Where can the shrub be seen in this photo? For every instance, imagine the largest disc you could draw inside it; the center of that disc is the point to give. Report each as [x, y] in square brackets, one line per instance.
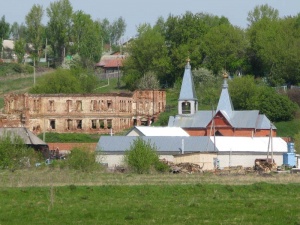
[14, 154]
[82, 159]
[142, 156]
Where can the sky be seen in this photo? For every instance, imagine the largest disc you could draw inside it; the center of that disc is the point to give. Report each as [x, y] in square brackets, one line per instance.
[136, 12]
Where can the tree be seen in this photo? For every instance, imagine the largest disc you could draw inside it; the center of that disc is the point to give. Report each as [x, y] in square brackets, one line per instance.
[246, 94]
[4, 29]
[20, 51]
[18, 31]
[14, 154]
[142, 156]
[147, 52]
[260, 12]
[86, 37]
[67, 81]
[59, 25]
[112, 32]
[35, 28]
[148, 81]
[225, 48]
[4, 32]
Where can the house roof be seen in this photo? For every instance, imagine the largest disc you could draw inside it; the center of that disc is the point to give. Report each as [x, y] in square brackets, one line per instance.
[192, 144]
[187, 91]
[157, 131]
[238, 119]
[8, 44]
[111, 61]
[171, 145]
[28, 137]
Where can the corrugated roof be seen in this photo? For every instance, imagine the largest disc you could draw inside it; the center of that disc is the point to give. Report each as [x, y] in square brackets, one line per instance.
[187, 91]
[171, 145]
[200, 120]
[28, 137]
[159, 131]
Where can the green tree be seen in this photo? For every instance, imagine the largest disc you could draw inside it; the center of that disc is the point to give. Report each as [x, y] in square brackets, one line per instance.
[60, 81]
[260, 12]
[147, 52]
[35, 28]
[14, 154]
[59, 27]
[148, 81]
[20, 50]
[86, 37]
[246, 94]
[66, 81]
[4, 32]
[142, 156]
[82, 159]
[18, 31]
[225, 48]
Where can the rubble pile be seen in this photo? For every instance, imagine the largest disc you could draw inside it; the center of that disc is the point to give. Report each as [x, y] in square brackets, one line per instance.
[265, 166]
[183, 167]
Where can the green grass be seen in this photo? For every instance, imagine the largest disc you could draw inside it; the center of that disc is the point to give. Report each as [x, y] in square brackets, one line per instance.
[288, 128]
[257, 203]
[70, 137]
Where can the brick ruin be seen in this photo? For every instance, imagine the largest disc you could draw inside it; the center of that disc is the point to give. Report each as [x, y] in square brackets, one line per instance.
[82, 113]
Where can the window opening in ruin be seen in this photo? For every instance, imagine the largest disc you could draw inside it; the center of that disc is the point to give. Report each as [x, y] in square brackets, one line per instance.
[186, 107]
[109, 104]
[52, 124]
[51, 105]
[79, 124]
[35, 104]
[134, 122]
[78, 105]
[69, 124]
[109, 124]
[94, 105]
[94, 124]
[101, 122]
[69, 105]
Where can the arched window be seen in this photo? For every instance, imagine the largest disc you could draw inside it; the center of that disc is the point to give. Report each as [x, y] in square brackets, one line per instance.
[186, 107]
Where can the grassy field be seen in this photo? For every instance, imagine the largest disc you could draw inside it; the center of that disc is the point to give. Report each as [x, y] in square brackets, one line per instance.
[67, 197]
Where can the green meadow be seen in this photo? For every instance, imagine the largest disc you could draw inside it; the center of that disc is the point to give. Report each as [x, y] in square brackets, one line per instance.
[43, 196]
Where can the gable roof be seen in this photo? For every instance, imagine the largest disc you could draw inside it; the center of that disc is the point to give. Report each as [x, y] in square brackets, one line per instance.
[187, 91]
[157, 131]
[28, 137]
[111, 61]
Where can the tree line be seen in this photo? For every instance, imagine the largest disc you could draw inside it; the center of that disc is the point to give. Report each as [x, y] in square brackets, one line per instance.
[268, 48]
[66, 33]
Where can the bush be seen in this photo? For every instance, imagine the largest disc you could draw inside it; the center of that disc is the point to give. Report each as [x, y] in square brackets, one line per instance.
[14, 154]
[82, 159]
[142, 156]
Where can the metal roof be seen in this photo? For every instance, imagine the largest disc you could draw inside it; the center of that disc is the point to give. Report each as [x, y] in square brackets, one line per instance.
[250, 144]
[225, 102]
[157, 131]
[28, 137]
[187, 91]
[171, 145]
[192, 144]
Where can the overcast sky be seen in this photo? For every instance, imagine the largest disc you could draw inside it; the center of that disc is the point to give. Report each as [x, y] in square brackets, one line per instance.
[136, 12]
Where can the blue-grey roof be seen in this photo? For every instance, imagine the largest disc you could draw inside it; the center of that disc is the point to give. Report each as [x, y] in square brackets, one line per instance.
[187, 91]
[239, 119]
[225, 102]
[167, 145]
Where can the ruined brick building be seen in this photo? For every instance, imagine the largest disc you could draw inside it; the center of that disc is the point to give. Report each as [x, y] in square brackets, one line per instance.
[82, 113]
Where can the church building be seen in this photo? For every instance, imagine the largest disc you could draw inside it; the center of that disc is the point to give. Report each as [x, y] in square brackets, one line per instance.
[224, 121]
